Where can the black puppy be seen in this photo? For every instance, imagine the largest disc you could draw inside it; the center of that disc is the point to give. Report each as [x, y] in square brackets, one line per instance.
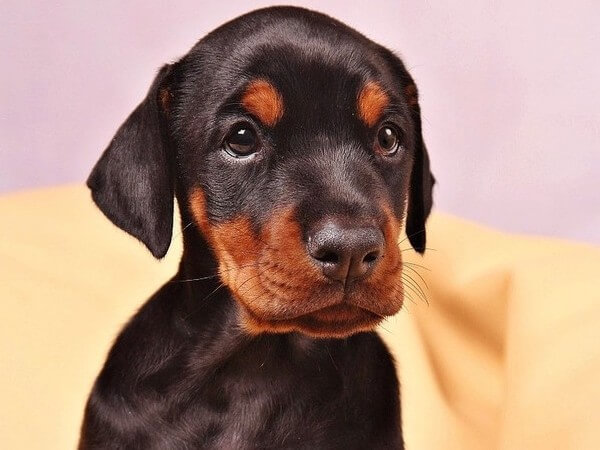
[293, 146]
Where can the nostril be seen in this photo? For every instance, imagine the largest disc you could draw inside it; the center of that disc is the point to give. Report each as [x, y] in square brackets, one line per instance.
[327, 257]
[371, 257]
[345, 254]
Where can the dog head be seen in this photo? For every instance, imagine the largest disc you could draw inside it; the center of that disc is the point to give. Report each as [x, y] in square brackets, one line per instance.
[294, 145]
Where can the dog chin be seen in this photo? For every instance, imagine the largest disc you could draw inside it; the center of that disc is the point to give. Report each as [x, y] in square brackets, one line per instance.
[337, 321]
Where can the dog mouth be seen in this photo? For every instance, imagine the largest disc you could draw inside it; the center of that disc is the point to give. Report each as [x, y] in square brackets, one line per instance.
[280, 293]
[282, 284]
[326, 310]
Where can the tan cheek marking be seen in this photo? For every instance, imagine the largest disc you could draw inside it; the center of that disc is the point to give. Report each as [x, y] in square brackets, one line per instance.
[372, 101]
[197, 203]
[263, 100]
[234, 242]
[237, 239]
[391, 233]
[284, 232]
[282, 284]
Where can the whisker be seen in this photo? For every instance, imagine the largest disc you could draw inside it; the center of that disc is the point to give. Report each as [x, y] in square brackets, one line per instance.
[411, 235]
[408, 263]
[202, 303]
[180, 232]
[332, 361]
[216, 275]
[406, 292]
[406, 308]
[419, 275]
[419, 296]
[266, 291]
[384, 328]
[258, 274]
[410, 248]
[406, 295]
[188, 280]
[409, 279]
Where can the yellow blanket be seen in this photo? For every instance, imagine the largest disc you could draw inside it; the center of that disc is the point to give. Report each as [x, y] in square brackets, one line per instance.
[498, 346]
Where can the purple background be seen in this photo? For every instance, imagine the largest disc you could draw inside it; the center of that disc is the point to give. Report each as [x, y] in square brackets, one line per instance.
[510, 93]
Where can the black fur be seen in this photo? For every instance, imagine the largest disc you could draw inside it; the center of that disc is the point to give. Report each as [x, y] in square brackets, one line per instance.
[132, 182]
[184, 373]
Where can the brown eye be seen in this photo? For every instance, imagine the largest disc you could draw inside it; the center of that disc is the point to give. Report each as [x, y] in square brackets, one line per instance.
[389, 140]
[241, 142]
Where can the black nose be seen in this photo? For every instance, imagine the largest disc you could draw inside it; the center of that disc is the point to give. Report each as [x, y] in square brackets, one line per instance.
[346, 254]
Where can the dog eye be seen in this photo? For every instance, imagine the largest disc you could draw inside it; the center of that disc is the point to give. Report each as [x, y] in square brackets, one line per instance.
[389, 140]
[241, 142]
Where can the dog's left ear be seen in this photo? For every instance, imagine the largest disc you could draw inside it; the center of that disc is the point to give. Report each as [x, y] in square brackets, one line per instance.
[421, 179]
[132, 183]
[420, 195]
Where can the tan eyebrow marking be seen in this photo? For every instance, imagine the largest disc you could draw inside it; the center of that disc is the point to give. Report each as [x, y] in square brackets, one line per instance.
[372, 100]
[411, 94]
[263, 100]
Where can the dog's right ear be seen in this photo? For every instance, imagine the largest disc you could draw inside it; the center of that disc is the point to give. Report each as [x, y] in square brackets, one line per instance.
[132, 183]
[420, 198]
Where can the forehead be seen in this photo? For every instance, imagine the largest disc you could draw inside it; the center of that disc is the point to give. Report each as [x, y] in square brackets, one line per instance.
[315, 71]
[312, 91]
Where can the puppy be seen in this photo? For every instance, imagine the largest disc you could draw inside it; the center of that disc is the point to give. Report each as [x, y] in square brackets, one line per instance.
[293, 146]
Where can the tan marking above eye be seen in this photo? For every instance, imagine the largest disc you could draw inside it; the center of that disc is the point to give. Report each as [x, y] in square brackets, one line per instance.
[372, 101]
[264, 101]
[411, 94]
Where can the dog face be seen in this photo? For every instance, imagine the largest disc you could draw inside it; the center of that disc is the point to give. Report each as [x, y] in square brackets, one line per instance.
[294, 145]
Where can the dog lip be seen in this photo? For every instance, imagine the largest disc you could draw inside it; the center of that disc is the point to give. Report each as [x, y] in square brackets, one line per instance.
[342, 306]
[342, 318]
[304, 301]
[338, 296]
[348, 312]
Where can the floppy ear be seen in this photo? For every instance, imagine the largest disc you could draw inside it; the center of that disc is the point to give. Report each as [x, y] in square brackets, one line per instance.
[421, 179]
[132, 183]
